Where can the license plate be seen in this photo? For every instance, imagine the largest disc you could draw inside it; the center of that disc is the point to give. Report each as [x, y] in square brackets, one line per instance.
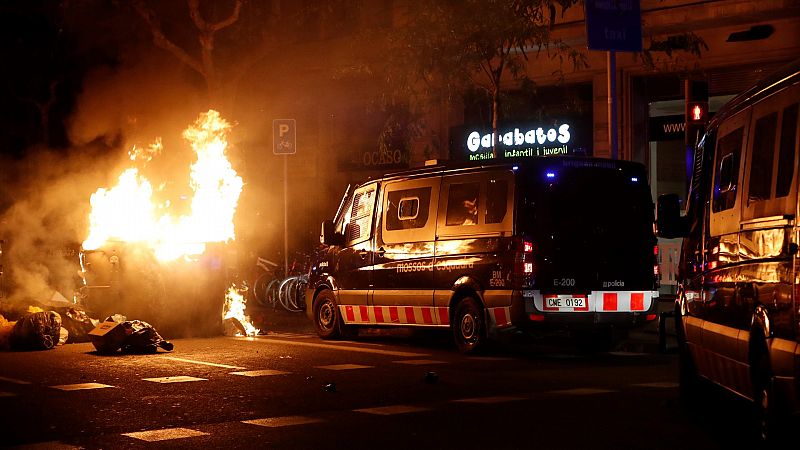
[565, 303]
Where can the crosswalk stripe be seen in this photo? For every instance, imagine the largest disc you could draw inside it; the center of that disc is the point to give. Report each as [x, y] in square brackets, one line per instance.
[344, 367]
[192, 361]
[664, 385]
[14, 380]
[51, 445]
[7, 394]
[582, 391]
[165, 434]
[419, 362]
[489, 400]
[285, 421]
[81, 386]
[260, 373]
[179, 379]
[392, 410]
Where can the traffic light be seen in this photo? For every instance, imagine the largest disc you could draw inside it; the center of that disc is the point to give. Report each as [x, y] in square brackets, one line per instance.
[696, 110]
[695, 120]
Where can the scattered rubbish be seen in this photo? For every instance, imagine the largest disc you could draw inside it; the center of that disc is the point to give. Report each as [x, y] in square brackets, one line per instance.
[309, 378]
[330, 387]
[78, 324]
[5, 333]
[36, 331]
[132, 336]
[431, 377]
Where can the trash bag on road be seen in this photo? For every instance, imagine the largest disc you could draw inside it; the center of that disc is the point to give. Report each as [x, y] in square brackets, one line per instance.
[132, 336]
[6, 328]
[36, 331]
[78, 324]
[143, 338]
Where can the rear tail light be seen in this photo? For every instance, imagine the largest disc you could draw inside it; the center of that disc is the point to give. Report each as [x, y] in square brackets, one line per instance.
[656, 268]
[524, 267]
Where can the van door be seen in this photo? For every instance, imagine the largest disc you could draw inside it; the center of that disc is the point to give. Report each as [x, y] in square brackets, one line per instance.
[719, 333]
[768, 216]
[353, 274]
[474, 210]
[403, 269]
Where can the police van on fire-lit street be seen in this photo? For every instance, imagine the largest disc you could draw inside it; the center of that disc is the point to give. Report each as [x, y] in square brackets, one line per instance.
[738, 308]
[551, 243]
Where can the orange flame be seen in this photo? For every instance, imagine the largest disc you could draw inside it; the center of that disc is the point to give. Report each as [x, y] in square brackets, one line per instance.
[234, 308]
[127, 212]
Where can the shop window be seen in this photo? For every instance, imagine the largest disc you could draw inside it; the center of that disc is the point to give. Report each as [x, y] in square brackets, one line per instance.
[726, 177]
[763, 155]
[787, 151]
[462, 204]
[408, 208]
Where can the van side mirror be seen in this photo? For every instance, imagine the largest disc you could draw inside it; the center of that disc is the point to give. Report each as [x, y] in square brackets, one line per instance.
[669, 223]
[329, 236]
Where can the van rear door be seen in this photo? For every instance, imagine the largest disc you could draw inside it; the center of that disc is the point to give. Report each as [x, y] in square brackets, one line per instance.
[591, 224]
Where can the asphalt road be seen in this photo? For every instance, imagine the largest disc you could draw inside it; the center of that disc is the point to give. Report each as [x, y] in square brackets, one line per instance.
[293, 390]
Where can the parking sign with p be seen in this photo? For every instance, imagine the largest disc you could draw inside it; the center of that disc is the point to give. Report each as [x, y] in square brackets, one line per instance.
[284, 137]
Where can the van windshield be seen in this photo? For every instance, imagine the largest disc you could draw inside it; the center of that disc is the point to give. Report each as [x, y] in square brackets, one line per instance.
[591, 224]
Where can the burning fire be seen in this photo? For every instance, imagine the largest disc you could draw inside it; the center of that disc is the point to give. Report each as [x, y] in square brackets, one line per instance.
[127, 211]
[234, 308]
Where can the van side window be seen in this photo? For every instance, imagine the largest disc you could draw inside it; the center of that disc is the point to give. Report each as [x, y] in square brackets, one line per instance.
[408, 208]
[462, 204]
[763, 154]
[496, 200]
[727, 176]
[358, 219]
[787, 151]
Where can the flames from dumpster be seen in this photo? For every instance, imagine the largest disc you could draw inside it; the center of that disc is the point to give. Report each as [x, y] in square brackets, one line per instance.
[127, 212]
[234, 308]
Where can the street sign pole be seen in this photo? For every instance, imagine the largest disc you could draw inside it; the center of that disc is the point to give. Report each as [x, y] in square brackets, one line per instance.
[284, 139]
[612, 103]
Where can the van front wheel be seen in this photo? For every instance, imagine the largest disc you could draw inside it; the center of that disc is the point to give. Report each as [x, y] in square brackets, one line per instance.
[327, 319]
[469, 327]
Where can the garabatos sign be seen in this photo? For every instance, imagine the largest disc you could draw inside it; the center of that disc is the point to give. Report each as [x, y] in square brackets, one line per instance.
[521, 142]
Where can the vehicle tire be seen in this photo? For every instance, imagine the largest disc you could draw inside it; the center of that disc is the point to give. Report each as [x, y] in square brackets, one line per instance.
[766, 417]
[327, 319]
[469, 326]
[688, 377]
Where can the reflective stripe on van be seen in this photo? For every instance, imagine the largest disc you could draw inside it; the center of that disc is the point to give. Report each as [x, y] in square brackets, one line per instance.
[412, 315]
[596, 301]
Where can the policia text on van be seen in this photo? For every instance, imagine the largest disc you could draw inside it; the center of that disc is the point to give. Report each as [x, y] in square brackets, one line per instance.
[559, 241]
[737, 317]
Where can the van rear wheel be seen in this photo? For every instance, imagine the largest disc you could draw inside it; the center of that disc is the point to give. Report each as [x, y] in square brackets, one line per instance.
[327, 319]
[469, 327]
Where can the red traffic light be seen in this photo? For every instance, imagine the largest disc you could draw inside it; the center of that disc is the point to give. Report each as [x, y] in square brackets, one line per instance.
[696, 112]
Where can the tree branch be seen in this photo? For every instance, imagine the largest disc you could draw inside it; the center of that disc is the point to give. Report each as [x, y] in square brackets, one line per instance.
[161, 41]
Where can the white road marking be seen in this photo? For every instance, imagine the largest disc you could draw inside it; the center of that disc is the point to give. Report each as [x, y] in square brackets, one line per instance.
[490, 400]
[260, 373]
[664, 385]
[345, 348]
[419, 362]
[490, 358]
[581, 391]
[14, 380]
[7, 394]
[344, 367]
[203, 363]
[81, 386]
[164, 434]
[180, 379]
[392, 410]
[285, 421]
[52, 445]
[628, 353]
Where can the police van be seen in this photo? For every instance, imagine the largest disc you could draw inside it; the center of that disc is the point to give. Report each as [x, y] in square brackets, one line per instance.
[556, 242]
[737, 316]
